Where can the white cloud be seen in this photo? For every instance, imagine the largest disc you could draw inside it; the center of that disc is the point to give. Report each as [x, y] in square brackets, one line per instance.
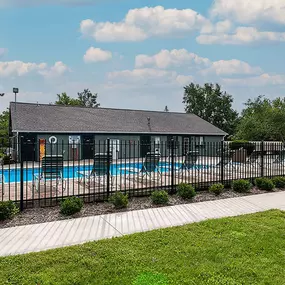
[97, 55]
[219, 27]
[140, 24]
[143, 74]
[148, 76]
[11, 68]
[232, 67]
[184, 79]
[19, 68]
[241, 36]
[111, 32]
[167, 59]
[58, 69]
[261, 80]
[170, 58]
[250, 11]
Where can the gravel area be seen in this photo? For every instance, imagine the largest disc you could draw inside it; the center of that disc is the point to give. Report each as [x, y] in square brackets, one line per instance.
[50, 214]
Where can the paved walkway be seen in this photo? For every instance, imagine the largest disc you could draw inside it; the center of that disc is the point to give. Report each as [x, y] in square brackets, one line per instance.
[32, 238]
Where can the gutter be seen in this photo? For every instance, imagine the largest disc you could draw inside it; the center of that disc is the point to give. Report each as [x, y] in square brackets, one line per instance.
[123, 133]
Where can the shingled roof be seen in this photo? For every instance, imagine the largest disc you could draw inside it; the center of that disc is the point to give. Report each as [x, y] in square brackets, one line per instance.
[39, 118]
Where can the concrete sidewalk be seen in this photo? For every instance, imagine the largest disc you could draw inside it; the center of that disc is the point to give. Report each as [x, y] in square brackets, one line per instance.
[33, 238]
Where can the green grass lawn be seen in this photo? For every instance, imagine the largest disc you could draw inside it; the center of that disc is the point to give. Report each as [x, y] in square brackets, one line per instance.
[243, 250]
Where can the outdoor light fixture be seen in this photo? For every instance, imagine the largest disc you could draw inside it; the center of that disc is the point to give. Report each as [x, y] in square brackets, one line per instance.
[15, 90]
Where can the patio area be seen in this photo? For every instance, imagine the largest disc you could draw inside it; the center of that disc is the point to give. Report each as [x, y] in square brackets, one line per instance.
[132, 183]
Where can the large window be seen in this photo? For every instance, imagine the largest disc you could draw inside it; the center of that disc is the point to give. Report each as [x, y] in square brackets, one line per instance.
[186, 145]
[176, 142]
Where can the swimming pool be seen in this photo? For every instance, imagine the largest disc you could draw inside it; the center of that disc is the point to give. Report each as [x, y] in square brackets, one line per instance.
[71, 172]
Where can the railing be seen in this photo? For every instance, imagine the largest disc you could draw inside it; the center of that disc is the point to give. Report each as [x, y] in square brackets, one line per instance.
[42, 174]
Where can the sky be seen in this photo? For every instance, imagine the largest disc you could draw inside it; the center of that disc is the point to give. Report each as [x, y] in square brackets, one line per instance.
[140, 54]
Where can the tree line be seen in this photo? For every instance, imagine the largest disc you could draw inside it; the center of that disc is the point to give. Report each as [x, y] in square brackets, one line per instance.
[260, 119]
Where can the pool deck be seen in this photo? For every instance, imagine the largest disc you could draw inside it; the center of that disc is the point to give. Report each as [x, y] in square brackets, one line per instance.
[130, 183]
[40, 237]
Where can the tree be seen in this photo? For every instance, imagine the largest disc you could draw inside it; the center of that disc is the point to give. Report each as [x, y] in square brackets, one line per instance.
[166, 109]
[211, 104]
[64, 99]
[85, 99]
[262, 119]
[4, 128]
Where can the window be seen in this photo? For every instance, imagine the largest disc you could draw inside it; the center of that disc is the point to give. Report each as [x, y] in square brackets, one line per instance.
[186, 145]
[176, 142]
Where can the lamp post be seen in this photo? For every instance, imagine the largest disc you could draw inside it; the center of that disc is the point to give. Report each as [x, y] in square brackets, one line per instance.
[15, 91]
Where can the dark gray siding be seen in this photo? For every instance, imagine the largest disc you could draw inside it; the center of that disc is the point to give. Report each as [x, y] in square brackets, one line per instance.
[128, 146]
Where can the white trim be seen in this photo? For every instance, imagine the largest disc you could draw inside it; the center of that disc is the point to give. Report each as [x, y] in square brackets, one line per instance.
[118, 133]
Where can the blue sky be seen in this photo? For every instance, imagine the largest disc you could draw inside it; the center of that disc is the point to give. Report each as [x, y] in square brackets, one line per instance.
[140, 54]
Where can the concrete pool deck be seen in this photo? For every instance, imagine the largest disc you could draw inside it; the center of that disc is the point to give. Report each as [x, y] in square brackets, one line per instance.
[40, 237]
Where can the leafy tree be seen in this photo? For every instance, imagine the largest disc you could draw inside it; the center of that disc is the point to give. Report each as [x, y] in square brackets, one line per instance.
[85, 99]
[262, 119]
[4, 128]
[210, 103]
[64, 99]
[166, 109]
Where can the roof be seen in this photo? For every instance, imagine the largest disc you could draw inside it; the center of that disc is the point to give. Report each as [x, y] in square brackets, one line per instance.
[40, 118]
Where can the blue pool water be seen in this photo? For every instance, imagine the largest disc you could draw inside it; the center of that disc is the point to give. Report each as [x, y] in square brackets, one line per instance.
[69, 172]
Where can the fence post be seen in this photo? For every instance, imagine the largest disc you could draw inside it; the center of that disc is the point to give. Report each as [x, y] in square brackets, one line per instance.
[262, 158]
[108, 168]
[222, 162]
[172, 166]
[21, 175]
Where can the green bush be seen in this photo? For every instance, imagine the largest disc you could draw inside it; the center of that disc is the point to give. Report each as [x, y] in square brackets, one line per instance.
[119, 200]
[217, 189]
[242, 186]
[71, 206]
[8, 210]
[279, 182]
[5, 159]
[159, 197]
[264, 184]
[237, 144]
[186, 191]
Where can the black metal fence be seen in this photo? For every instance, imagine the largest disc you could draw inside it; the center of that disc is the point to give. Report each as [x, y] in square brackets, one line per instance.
[42, 174]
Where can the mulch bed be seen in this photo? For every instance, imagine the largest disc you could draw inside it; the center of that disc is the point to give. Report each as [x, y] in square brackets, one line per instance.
[50, 214]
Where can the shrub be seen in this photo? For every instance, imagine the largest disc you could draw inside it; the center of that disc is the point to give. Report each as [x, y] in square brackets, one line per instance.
[237, 144]
[159, 197]
[186, 191]
[71, 206]
[216, 188]
[279, 182]
[8, 210]
[119, 200]
[242, 186]
[4, 159]
[264, 184]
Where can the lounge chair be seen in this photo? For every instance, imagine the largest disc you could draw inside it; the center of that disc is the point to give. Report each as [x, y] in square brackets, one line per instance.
[149, 167]
[225, 161]
[100, 170]
[189, 163]
[51, 170]
[253, 160]
[280, 159]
